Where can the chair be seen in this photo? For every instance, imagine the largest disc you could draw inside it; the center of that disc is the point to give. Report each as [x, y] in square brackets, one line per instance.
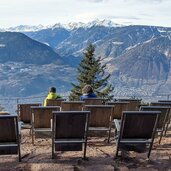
[42, 121]
[119, 107]
[72, 105]
[93, 101]
[137, 127]
[54, 102]
[69, 131]
[162, 117]
[100, 118]
[133, 104]
[9, 135]
[168, 119]
[24, 112]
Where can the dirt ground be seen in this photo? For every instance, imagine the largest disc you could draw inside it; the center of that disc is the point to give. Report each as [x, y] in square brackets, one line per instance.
[100, 157]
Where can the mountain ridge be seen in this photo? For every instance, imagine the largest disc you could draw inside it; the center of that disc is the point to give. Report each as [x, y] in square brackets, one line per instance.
[137, 57]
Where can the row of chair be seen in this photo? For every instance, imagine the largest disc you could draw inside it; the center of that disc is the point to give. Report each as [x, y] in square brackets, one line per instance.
[129, 129]
[24, 110]
[117, 112]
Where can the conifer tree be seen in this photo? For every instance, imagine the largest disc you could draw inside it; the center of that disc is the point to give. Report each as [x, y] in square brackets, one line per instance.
[92, 72]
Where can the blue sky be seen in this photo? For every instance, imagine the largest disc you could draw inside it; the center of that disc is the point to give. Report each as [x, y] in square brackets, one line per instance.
[48, 12]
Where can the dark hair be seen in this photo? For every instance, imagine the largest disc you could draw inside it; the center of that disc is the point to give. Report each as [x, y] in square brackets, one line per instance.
[52, 89]
[87, 89]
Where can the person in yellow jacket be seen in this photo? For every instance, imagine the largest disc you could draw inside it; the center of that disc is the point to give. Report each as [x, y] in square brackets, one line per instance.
[51, 95]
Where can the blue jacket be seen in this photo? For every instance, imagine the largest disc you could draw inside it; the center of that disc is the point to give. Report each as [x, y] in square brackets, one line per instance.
[85, 96]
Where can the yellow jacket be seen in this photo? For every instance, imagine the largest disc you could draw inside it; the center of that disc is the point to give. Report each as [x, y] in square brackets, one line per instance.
[51, 96]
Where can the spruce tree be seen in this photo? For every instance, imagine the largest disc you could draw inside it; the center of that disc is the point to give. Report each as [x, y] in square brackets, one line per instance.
[92, 72]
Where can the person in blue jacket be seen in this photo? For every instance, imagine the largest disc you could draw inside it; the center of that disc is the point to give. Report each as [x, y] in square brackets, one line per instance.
[87, 92]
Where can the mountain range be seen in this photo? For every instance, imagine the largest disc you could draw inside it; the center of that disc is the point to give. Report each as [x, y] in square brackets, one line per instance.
[137, 57]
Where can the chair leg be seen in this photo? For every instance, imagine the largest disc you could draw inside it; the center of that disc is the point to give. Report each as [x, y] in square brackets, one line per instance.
[161, 135]
[53, 155]
[30, 131]
[109, 136]
[167, 125]
[85, 148]
[19, 155]
[32, 137]
[117, 151]
[150, 148]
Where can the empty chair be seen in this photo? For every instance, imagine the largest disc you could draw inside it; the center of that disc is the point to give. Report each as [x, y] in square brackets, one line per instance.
[69, 131]
[134, 104]
[168, 119]
[9, 135]
[42, 120]
[119, 107]
[162, 117]
[24, 112]
[100, 118]
[72, 105]
[54, 102]
[93, 101]
[137, 128]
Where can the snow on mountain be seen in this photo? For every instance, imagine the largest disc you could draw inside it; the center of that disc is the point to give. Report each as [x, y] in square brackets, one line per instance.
[106, 23]
[68, 26]
[25, 28]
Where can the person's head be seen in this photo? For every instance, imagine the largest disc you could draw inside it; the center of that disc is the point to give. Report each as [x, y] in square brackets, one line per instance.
[87, 89]
[52, 89]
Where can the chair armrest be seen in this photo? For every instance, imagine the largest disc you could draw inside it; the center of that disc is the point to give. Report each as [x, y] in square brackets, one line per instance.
[117, 124]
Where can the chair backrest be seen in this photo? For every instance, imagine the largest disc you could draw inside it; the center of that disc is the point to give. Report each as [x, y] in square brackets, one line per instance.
[72, 105]
[133, 104]
[138, 124]
[9, 135]
[70, 124]
[69, 130]
[163, 115]
[163, 104]
[42, 115]
[119, 107]
[160, 104]
[101, 115]
[137, 127]
[54, 102]
[24, 111]
[169, 101]
[93, 101]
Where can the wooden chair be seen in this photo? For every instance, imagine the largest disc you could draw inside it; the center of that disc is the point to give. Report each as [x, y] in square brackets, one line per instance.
[69, 131]
[24, 112]
[9, 135]
[133, 105]
[72, 105]
[168, 119]
[42, 121]
[100, 118]
[54, 102]
[119, 107]
[162, 117]
[137, 127]
[93, 101]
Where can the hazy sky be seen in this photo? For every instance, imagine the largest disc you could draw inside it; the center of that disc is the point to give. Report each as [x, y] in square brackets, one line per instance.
[48, 12]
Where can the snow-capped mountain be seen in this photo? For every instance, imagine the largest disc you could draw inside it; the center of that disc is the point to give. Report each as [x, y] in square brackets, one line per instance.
[25, 28]
[68, 26]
